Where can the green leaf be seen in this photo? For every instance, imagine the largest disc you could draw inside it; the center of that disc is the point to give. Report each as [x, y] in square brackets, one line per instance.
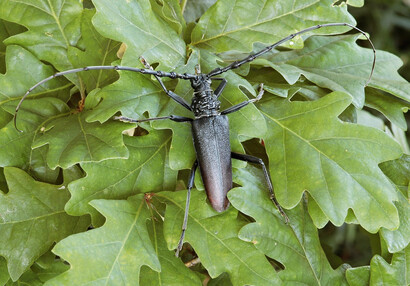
[32, 219]
[38, 275]
[399, 172]
[31, 118]
[194, 9]
[53, 26]
[389, 106]
[144, 33]
[296, 246]
[173, 270]
[95, 51]
[132, 95]
[146, 170]
[398, 239]
[381, 272]
[274, 83]
[214, 237]
[170, 11]
[358, 276]
[311, 150]
[7, 29]
[28, 278]
[236, 25]
[72, 140]
[118, 249]
[396, 273]
[346, 68]
[23, 71]
[4, 274]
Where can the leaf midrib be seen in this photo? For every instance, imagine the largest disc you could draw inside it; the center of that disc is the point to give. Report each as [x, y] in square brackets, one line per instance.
[137, 216]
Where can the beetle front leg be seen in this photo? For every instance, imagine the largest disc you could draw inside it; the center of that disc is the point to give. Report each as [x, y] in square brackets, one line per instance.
[245, 103]
[188, 198]
[171, 94]
[259, 161]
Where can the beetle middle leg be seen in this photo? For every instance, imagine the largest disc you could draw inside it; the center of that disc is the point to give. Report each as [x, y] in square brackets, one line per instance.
[188, 198]
[259, 161]
[244, 103]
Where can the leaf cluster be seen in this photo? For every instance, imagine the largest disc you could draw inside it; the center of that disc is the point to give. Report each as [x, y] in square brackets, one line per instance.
[89, 200]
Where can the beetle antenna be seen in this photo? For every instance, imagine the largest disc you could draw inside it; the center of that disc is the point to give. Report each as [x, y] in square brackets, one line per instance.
[143, 71]
[251, 57]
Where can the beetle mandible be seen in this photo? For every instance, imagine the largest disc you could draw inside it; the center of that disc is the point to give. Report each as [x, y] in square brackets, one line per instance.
[210, 128]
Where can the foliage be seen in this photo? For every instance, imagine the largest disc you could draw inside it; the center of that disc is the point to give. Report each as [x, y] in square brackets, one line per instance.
[73, 182]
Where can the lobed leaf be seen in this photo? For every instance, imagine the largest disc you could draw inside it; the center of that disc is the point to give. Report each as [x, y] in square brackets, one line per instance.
[118, 249]
[389, 106]
[144, 33]
[173, 270]
[170, 11]
[72, 140]
[336, 63]
[30, 120]
[237, 25]
[132, 95]
[296, 246]
[395, 274]
[311, 150]
[381, 272]
[398, 172]
[7, 29]
[145, 170]
[214, 237]
[95, 51]
[53, 26]
[23, 71]
[32, 219]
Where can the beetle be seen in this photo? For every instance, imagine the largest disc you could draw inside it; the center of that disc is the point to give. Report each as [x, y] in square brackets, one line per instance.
[210, 127]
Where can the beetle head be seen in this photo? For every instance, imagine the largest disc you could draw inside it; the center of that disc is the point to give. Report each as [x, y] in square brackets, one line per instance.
[201, 83]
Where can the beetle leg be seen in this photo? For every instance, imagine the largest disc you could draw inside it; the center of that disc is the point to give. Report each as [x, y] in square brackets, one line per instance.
[171, 117]
[171, 94]
[188, 198]
[221, 86]
[244, 103]
[259, 161]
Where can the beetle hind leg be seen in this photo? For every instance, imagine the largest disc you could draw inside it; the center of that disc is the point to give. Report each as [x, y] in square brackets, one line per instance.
[188, 198]
[259, 161]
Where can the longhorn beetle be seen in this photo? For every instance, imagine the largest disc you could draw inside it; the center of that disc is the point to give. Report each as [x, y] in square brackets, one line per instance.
[210, 129]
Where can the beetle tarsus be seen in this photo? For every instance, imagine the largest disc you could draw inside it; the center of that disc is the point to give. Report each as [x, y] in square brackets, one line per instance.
[279, 207]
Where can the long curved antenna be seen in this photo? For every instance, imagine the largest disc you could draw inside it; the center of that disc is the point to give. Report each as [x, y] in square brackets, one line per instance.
[143, 71]
[251, 57]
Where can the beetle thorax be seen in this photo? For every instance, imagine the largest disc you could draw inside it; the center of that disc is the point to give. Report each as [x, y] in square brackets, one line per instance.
[205, 102]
